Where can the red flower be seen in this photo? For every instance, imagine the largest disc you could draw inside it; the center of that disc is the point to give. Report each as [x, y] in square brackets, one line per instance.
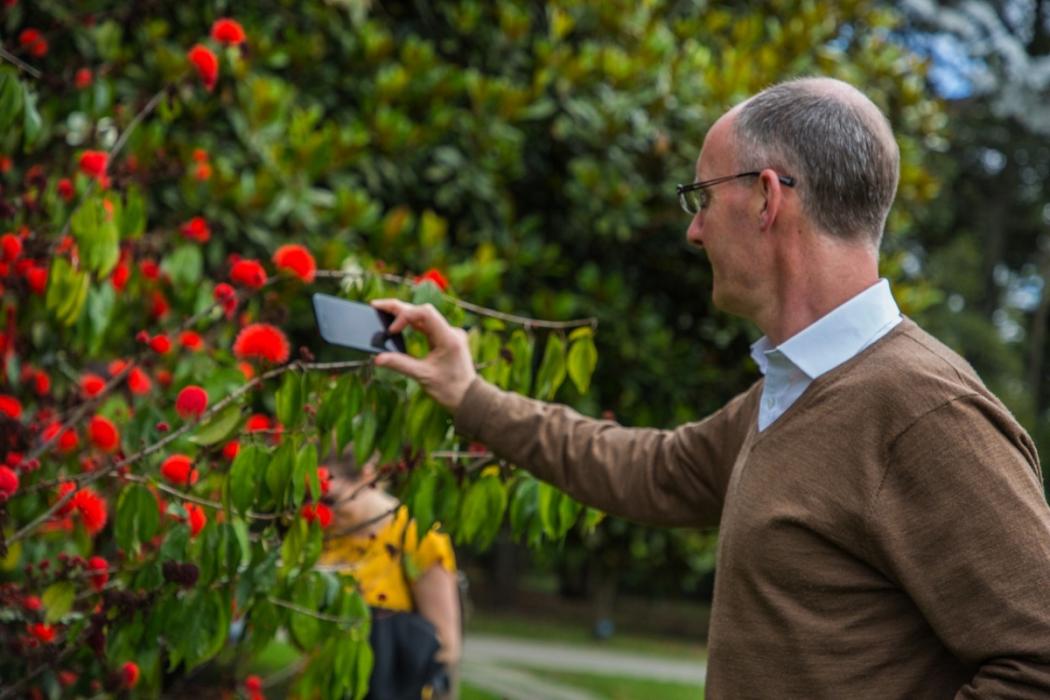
[92, 509]
[67, 678]
[248, 273]
[230, 449]
[32, 602]
[297, 260]
[206, 63]
[253, 684]
[202, 172]
[64, 488]
[158, 305]
[325, 479]
[65, 189]
[82, 78]
[67, 441]
[163, 377]
[200, 155]
[191, 402]
[10, 247]
[191, 340]
[41, 632]
[321, 513]
[196, 229]
[116, 367]
[257, 422]
[139, 382]
[94, 164]
[433, 275]
[149, 269]
[227, 31]
[120, 275]
[98, 572]
[129, 674]
[178, 469]
[263, 341]
[160, 344]
[103, 434]
[36, 277]
[33, 42]
[91, 385]
[41, 383]
[10, 406]
[8, 482]
[197, 519]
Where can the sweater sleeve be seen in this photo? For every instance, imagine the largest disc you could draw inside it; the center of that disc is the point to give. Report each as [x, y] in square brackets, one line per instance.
[962, 524]
[651, 476]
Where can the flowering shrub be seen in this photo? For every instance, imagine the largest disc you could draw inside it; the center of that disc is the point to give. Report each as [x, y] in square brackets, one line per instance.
[160, 475]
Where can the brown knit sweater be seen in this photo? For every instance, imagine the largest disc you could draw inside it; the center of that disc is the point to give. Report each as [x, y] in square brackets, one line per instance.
[887, 537]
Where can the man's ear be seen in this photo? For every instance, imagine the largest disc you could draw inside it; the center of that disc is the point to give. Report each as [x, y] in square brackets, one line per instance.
[772, 198]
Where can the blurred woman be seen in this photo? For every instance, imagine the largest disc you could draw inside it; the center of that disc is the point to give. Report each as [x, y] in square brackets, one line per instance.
[409, 582]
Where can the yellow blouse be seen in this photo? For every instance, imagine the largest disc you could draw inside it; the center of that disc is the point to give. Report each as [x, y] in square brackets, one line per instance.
[375, 560]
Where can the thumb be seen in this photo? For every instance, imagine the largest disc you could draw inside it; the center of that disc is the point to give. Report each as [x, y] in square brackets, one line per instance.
[400, 362]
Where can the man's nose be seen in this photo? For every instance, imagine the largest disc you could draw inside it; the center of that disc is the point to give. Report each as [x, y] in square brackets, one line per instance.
[695, 230]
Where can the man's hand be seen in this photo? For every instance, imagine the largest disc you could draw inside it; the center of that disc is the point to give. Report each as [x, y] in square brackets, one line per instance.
[447, 371]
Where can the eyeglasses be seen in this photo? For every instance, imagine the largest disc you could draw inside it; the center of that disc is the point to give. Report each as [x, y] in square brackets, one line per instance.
[695, 197]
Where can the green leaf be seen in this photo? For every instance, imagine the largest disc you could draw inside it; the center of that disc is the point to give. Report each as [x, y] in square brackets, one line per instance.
[133, 217]
[137, 516]
[293, 543]
[203, 628]
[420, 495]
[306, 593]
[218, 427]
[365, 426]
[523, 505]
[306, 470]
[67, 290]
[58, 600]
[583, 357]
[185, 266]
[591, 518]
[521, 349]
[363, 670]
[239, 536]
[547, 506]
[552, 369]
[482, 511]
[279, 474]
[97, 238]
[289, 399]
[11, 98]
[33, 125]
[244, 475]
[334, 405]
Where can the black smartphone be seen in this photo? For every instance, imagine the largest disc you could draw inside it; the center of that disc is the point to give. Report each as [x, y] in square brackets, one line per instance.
[354, 325]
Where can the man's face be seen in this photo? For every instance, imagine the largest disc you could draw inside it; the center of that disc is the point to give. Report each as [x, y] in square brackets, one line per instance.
[728, 227]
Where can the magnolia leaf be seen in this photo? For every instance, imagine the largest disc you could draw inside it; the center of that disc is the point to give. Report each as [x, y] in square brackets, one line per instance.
[552, 369]
[279, 475]
[289, 399]
[306, 593]
[137, 516]
[243, 478]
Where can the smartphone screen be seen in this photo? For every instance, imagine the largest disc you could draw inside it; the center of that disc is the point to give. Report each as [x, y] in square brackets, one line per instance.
[354, 325]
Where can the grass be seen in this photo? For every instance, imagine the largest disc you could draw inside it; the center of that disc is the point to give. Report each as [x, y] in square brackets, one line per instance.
[550, 630]
[620, 687]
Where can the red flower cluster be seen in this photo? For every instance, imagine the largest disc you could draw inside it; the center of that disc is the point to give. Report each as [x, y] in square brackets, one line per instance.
[228, 31]
[10, 247]
[91, 385]
[103, 434]
[253, 684]
[82, 78]
[261, 340]
[297, 260]
[195, 518]
[10, 406]
[98, 572]
[33, 42]
[191, 340]
[225, 295]
[94, 164]
[203, 170]
[139, 382]
[321, 513]
[160, 344]
[433, 275]
[66, 190]
[41, 632]
[206, 63]
[178, 470]
[92, 509]
[248, 273]
[196, 229]
[191, 402]
[67, 441]
[8, 482]
[129, 674]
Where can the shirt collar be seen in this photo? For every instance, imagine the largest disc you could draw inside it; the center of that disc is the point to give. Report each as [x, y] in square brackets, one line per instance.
[835, 337]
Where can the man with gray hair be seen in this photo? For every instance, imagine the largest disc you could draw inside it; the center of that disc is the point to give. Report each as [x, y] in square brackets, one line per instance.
[883, 528]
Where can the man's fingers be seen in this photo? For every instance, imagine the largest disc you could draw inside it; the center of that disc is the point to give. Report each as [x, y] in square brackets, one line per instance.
[423, 318]
[399, 362]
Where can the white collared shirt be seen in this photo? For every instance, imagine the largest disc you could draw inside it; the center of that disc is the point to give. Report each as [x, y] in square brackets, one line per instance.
[820, 347]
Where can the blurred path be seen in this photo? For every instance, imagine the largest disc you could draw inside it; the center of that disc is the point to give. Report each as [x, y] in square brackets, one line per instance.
[486, 657]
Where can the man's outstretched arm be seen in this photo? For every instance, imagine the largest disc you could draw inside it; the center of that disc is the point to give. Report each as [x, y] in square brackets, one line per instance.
[654, 476]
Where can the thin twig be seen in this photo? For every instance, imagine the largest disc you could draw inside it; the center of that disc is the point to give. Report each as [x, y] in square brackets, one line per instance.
[313, 613]
[466, 305]
[19, 63]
